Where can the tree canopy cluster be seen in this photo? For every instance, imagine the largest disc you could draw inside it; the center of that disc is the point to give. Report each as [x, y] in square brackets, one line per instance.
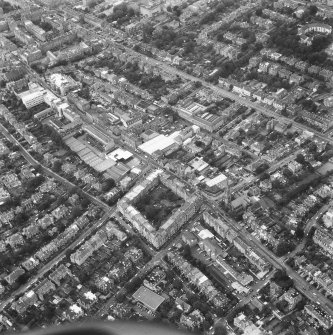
[287, 40]
[213, 15]
[121, 13]
[282, 279]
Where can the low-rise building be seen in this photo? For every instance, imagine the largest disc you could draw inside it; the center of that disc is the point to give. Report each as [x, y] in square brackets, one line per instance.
[319, 315]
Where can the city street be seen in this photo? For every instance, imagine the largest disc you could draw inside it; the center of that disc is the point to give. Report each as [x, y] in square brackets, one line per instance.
[126, 104]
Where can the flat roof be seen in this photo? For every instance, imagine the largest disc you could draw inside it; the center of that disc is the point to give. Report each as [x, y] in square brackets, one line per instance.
[160, 142]
[149, 298]
[218, 179]
[120, 154]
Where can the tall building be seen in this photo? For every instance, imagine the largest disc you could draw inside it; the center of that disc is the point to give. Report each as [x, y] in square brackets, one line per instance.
[23, 36]
[35, 30]
[63, 84]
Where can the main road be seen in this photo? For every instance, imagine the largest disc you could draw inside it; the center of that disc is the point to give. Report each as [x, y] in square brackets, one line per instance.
[225, 93]
[109, 211]
[277, 262]
[105, 33]
[300, 283]
[48, 171]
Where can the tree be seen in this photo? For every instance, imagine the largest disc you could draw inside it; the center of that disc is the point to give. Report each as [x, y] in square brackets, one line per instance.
[85, 93]
[21, 218]
[287, 173]
[209, 17]
[120, 297]
[259, 12]
[198, 84]
[261, 168]
[85, 202]
[282, 279]
[177, 284]
[312, 147]
[33, 183]
[23, 279]
[38, 168]
[319, 43]
[189, 47]
[76, 212]
[45, 204]
[299, 233]
[57, 166]
[151, 212]
[313, 10]
[46, 26]
[220, 329]
[300, 159]
[108, 185]
[50, 310]
[129, 286]
[264, 176]
[187, 251]
[197, 305]
[283, 248]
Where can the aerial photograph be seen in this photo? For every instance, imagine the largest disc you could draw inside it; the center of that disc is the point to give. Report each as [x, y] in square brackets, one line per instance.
[168, 164]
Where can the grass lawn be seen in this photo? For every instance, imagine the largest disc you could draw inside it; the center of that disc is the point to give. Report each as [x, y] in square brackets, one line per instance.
[158, 205]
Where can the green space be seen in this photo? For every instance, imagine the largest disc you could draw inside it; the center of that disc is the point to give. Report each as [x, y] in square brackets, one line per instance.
[158, 205]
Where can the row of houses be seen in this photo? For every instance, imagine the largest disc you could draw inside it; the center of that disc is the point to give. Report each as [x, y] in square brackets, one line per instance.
[37, 294]
[299, 65]
[198, 279]
[96, 242]
[228, 18]
[231, 235]
[20, 127]
[278, 70]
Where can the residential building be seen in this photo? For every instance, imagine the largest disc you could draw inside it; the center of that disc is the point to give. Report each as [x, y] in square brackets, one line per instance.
[174, 222]
[319, 315]
[45, 287]
[24, 302]
[324, 239]
[35, 30]
[292, 297]
[14, 275]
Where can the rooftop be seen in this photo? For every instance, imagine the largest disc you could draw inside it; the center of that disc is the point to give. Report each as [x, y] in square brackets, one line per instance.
[149, 298]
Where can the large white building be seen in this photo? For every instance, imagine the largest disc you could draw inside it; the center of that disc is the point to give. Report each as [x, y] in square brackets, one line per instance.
[159, 143]
[36, 95]
[35, 30]
[32, 97]
[63, 84]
